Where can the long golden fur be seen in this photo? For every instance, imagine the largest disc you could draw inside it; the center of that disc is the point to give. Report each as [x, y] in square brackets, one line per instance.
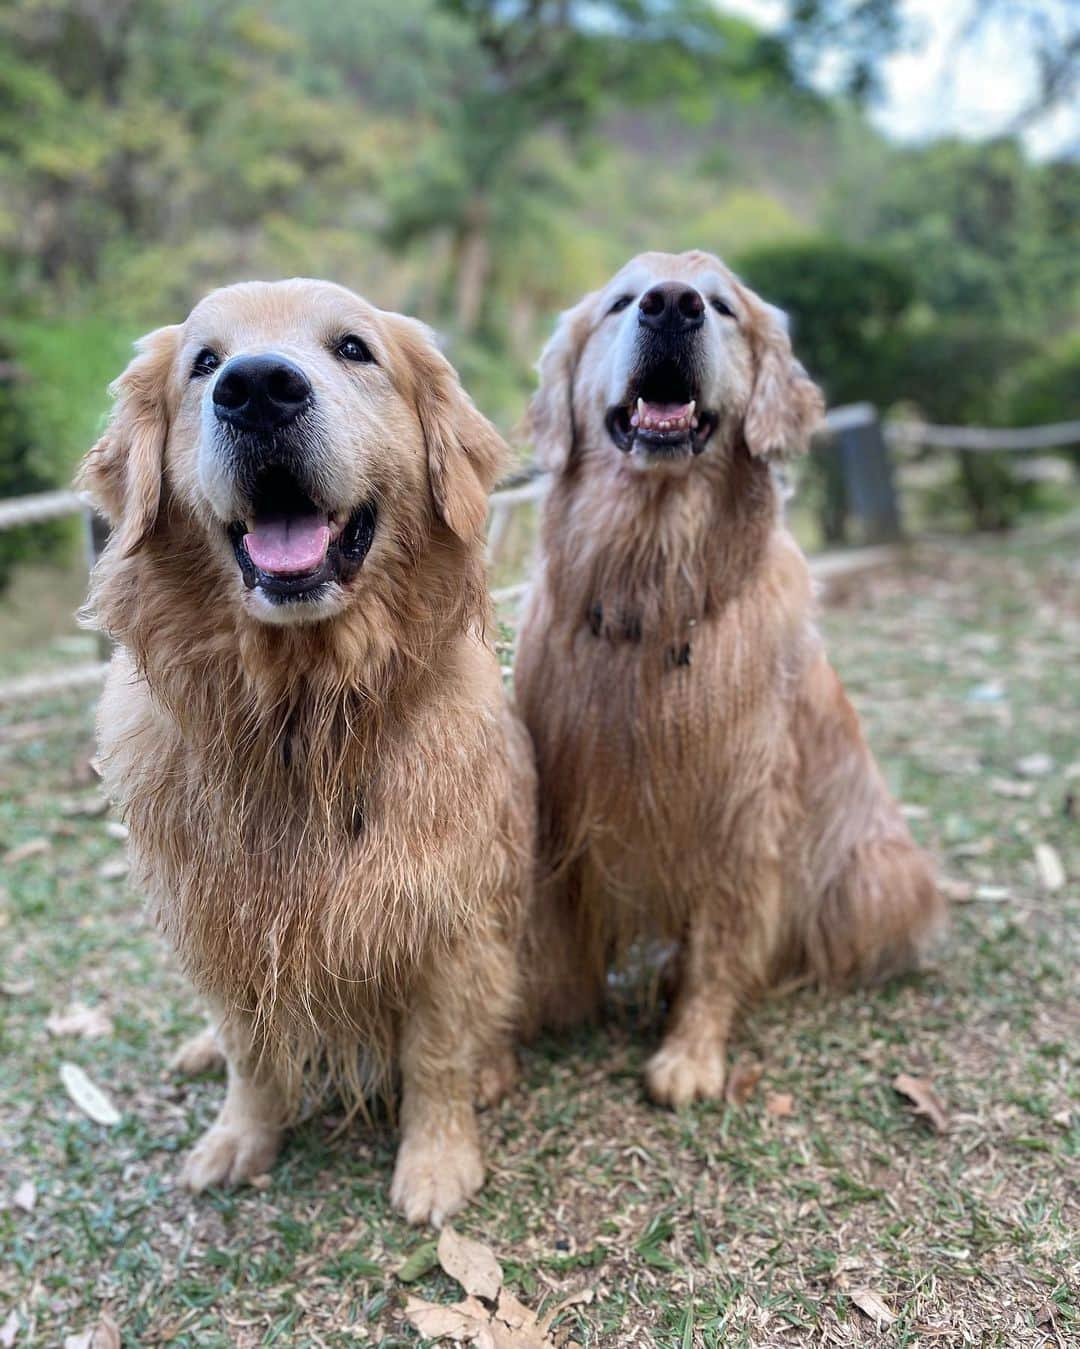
[703, 779]
[331, 812]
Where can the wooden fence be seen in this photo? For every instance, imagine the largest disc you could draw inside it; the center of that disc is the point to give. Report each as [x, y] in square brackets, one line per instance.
[855, 449]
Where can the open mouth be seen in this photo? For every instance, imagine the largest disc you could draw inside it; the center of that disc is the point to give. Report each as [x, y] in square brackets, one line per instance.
[661, 415]
[292, 549]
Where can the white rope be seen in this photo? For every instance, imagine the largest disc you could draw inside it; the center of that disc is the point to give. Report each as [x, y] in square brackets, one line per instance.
[31, 510]
[985, 439]
[46, 685]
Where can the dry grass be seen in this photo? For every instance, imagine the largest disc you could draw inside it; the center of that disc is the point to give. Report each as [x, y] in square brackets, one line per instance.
[723, 1226]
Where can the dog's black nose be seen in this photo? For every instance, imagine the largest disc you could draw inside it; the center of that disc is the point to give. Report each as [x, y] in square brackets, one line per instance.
[261, 393]
[672, 307]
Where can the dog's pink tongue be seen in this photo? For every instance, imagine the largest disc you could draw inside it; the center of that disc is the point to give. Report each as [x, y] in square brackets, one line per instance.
[289, 544]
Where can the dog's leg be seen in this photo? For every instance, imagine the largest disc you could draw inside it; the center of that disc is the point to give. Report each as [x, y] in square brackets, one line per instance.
[464, 1012]
[727, 948]
[245, 1138]
[563, 960]
[200, 1053]
[439, 1165]
[691, 1063]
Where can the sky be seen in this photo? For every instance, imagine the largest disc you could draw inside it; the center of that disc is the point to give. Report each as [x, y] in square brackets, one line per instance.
[942, 86]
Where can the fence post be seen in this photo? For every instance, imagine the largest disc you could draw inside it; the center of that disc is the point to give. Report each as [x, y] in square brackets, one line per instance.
[857, 470]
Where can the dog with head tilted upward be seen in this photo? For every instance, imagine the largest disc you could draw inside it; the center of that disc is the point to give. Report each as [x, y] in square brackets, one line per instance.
[330, 803]
[703, 779]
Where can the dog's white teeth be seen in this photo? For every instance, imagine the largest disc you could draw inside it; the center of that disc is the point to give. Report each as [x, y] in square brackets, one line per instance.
[641, 408]
[634, 420]
[690, 409]
[694, 422]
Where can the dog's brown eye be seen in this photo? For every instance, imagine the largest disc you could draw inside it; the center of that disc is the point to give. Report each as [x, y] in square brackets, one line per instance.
[205, 363]
[721, 307]
[353, 348]
[620, 304]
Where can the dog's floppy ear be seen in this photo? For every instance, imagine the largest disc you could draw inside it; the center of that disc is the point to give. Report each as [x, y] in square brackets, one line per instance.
[550, 420]
[786, 405]
[465, 453]
[122, 472]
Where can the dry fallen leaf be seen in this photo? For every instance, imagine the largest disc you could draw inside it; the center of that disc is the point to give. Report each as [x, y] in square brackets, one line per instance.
[25, 1197]
[581, 1299]
[105, 1335]
[33, 847]
[957, 892]
[779, 1104]
[89, 1022]
[90, 1099]
[1017, 791]
[1034, 765]
[9, 1330]
[471, 1263]
[461, 1322]
[869, 1302]
[924, 1098]
[16, 988]
[114, 871]
[1048, 865]
[742, 1080]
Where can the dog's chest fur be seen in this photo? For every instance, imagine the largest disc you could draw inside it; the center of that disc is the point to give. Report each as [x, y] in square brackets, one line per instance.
[306, 871]
[680, 664]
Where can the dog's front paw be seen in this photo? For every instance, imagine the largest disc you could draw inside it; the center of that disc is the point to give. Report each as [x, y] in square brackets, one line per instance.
[198, 1054]
[229, 1154]
[434, 1178]
[678, 1074]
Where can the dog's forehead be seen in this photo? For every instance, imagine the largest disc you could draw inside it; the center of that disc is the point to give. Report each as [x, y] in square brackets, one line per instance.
[269, 310]
[647, 269]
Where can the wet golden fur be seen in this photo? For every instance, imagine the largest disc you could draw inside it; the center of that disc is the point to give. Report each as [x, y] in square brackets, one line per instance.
[703, 779]
[332, 819]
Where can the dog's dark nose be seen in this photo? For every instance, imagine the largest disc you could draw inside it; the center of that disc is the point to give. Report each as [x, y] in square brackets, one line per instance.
[260, 393]
[672, 307]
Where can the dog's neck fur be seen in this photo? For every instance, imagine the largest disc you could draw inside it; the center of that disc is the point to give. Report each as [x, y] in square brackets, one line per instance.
[642, 557]
[298, 698]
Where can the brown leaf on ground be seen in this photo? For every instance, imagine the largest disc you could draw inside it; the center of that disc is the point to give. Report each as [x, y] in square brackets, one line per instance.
[88, 1022]
[471, 1263]
[779, 1104]
[926, 1101]
[1010, 788]
[16, 988]
[512, 1312]
[580, 1299]
[462, 1322]
[25, 1197]
[872, 1305]
[1048, 864]
[33, 847]
[742, 1080]
[105, 1335]
[9, 1330]
[90, 1099]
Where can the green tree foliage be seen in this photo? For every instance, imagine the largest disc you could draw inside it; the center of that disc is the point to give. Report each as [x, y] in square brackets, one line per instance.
[843, 304]
[480, 163]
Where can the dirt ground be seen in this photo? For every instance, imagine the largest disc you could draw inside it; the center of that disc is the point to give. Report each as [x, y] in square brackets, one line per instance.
[822, 1210]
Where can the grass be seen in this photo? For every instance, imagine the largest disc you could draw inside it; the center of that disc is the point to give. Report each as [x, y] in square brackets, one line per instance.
[722, 1226]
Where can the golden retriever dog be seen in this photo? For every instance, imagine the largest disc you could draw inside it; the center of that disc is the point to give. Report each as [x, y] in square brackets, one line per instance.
[330, 802]
[703, 779]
